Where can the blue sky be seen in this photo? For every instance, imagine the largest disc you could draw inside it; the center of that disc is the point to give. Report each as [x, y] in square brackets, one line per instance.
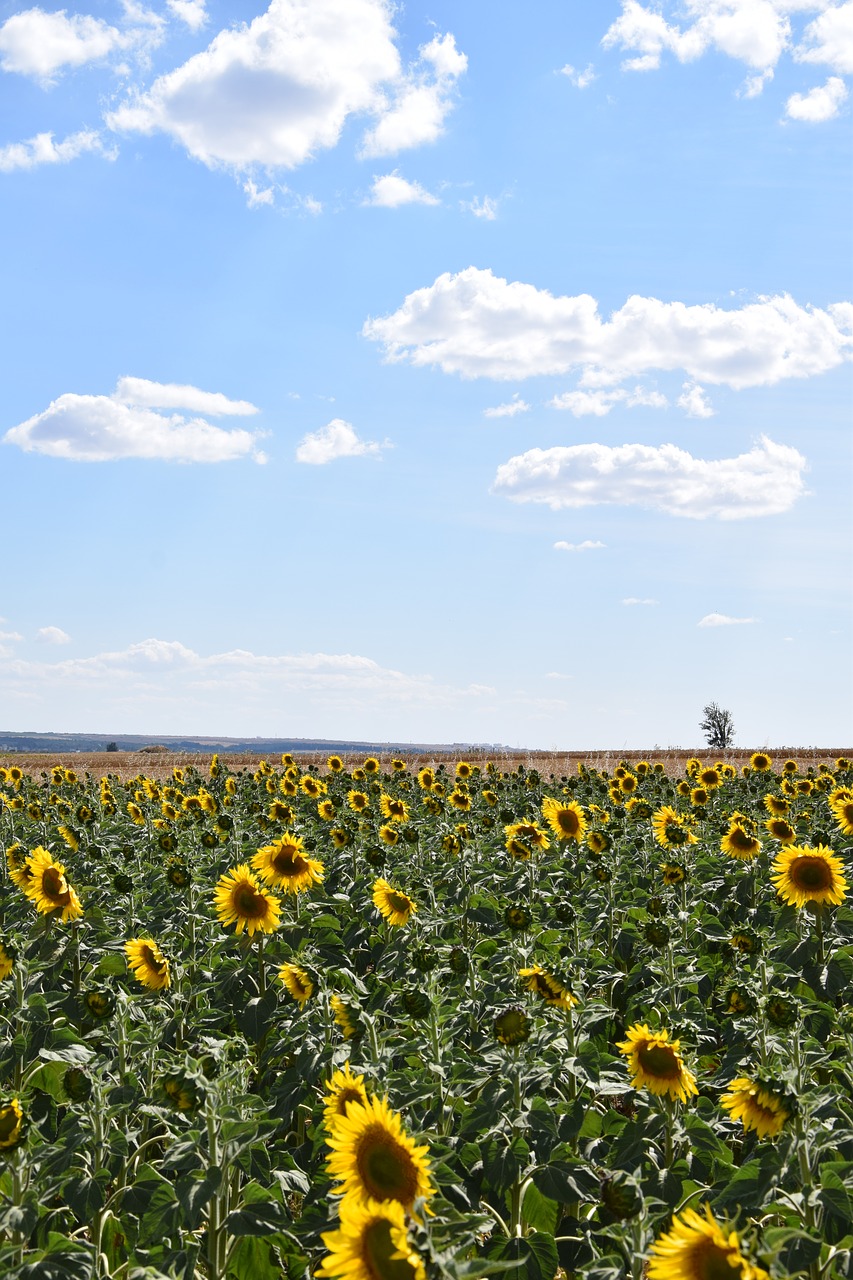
[429, 372]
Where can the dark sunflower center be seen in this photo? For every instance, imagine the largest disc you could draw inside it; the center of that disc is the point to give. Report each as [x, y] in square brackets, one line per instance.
[9, 1122]
[710, 1262]
[568, 822]
[377, 1253]
[289, 862]
[385, 1168]
[348, 1094]
[249, 904]
[659, 1060]
[398, 902]
[53, 884]
[741, 839]
[811, 873]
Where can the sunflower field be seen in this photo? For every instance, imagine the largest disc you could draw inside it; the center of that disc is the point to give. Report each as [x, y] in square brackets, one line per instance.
[412, 1021]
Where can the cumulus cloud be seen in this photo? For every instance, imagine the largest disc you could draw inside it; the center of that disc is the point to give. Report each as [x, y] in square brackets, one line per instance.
[632, 600]
[722, 620]
[338, 439]
[580, 79]
[509, 409]
[172, 395]
[53, 635]
[819, 104]
[39, 44]
[43, 150]
[587, 545]
[82, 428]
[390, 191]
[191, 12]
[275, 91]
[755, 32]
[482, 326]
[599, 403]
[694, 402]
[766, 481]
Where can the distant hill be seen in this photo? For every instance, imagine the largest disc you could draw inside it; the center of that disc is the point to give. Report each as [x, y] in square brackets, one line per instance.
[65, 742]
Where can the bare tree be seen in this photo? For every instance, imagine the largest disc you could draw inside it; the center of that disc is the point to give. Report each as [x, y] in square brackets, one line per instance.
[717, 726]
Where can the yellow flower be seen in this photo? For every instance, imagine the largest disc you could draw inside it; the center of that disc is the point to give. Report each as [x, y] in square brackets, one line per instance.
[567, 821]
[780, 830]
[48, 888]
[371, 765]
[312, 786]
[395, 906]
[136, 814]
[7, 960]
[285, 865]
[394, 809]
[761, 762]
[776, 806]
[297, 982]
[697, 1248]
[655, 1063]
[240, 900]
[528, 835]
[544, 984]
[388, 834]
[710, 777]
[426, 778]
[11, 1124]
[344, 1016]
[803, 875]
[343, 1089]
[326, 810]
[756, 1106]
[459, 799]
[70, 837]
[842, 811]
[671, 830]
[148, 964]
[334, 764]
[371, 1243]
[739, 843]
[358, 801]
[375, 1159]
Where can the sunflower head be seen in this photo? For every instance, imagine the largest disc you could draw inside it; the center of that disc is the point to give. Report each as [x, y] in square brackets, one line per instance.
[518, 918]
[545, 985]
[12, 1124]
[698, 1248]
[746, 941]
[738, 1001]
[346, 1015]
[512, 1027]
[760, 762]
[804, 876]
[147, 963]
[48, 888]
[621, 1197]
[182, 1091]
[657, 933]
[566, 820]
[655, 1063]
[240, 900]
[371, 1243]
[375, 1159]
[8, 956]
[758, 1105]
[297, 982]
[286, 865]
[739, 842]
[99, 1003]
[415, 1003]
[781, 1011]
[77, 1085]
[343, 1088]
[396, 907]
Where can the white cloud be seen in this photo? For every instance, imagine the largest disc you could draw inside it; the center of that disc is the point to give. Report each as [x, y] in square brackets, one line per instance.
[338, 439]
[480, 325]
[508, 410]
[192, 12]
[829, 39]
[694, 402]
[819, 104]
[587, 545]
[171, 395]
[753, 86]
[39, 44]
[580, 79]
[722, 620]
[487, 208]
[599, 403]
[103, 428]
[7, 640]
[53, 635]
[558, 675]
[12, 636]
[43, 150]
[390, 191]
[752, 31]
[422, 101]
[766, 481]
[257, 196]
[632, 600]
[275, 91]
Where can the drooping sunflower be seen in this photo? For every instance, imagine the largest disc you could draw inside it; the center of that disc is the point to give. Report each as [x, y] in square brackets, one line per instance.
[803, 875]
[343, 1089]
[395, 906]
[739, 842]
[374, 1158]
[388, 834]
[393, 808]
[147, 963]
[656, 1064]
[779, 829]
[697, 1248]
[297, 982]
[7, 959]
[48, 888]
[566, 820]
[285, 865]
[241, 900]
[544, 984]
[756, 1105]
[529, 834]
[345, 1016]
[512, 1026]
[371, 1243]
[11, 1124]
[670, 829]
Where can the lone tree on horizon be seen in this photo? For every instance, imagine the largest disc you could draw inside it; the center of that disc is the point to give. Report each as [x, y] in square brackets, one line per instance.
[717, 726]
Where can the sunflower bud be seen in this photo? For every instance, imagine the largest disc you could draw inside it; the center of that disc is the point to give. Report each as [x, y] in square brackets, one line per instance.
[122, 883]
[657, 933]
[512, 1026]
[620, 1196]
[424, 958]
[781, 1012]
[416, 1003]
[517, 918]
[182, 1091]
[77, 1084]
[99, 1003]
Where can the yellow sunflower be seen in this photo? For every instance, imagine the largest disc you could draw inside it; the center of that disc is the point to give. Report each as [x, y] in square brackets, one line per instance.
[756, 1106]
[375, 1159]
[803, 875]
[529, 834]
[697, 1248]
[147, 963]
[334, 764]
[358, 801]
[371, 1243]
[426, 778]
[842, 812]
[343, 1089]
[371, 765]
[344, 1015]
[285, 865]
[670, 829]
[395, 906]
[7, 959]
[297, 982]
[780, 830]
[388, 834]
[545, 985]
[241, 900]
[394, 809]
[738, 842]
[567, 821]
[776, 806]
[11, 1124]
[710, 777]
[655, 1063]
[464, 769]
[761, 762]
[48, 888]
[460, 800]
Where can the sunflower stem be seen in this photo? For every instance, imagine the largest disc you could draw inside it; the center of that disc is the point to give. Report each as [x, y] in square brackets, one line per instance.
[262, 972]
